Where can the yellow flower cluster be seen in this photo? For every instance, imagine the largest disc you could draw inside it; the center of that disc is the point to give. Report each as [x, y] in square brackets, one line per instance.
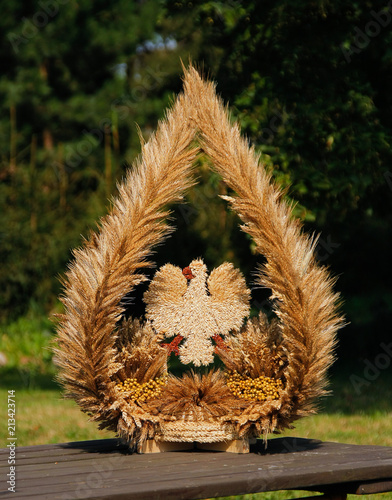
[256, 389]
[135, 391]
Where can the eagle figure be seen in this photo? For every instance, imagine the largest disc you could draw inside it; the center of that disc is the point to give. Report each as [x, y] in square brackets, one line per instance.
[196, 308]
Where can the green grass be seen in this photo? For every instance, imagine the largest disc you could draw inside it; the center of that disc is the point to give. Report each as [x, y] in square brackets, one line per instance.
[43, 416]
[26, 346]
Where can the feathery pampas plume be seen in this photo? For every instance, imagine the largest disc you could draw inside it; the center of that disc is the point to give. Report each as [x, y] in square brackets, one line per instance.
[108, 266]
[286, 360]
[302, 291]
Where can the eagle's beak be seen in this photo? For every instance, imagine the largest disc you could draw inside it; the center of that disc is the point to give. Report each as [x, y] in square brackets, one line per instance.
[187, 273]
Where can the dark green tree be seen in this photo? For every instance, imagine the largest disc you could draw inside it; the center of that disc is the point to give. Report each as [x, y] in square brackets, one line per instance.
[308, 81]
[63, 132]
[310, 85]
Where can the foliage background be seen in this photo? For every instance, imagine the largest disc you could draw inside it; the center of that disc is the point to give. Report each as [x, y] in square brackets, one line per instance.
[309, 82]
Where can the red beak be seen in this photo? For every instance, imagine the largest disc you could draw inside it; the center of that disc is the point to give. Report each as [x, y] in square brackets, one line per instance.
[187, 273]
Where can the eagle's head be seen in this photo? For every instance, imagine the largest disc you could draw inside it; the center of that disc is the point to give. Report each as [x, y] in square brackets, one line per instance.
[196, 269]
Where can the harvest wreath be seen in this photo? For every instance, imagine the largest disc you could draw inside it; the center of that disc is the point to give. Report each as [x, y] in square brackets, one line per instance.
[116, 369]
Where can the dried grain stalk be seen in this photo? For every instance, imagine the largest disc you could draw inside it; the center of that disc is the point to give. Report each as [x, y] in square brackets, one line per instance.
[139, 353]
[256, 350]
[196, 396]
[302, 291]
[109, 265]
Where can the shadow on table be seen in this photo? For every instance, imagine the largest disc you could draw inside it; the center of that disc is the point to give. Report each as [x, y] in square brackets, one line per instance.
[284, 445]
[274, 446]
[98, 446]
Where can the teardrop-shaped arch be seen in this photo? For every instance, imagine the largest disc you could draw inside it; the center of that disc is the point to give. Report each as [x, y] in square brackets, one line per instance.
[108, 266]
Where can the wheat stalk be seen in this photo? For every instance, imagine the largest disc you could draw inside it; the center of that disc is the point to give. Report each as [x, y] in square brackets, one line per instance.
[302, 291]
[109, 264]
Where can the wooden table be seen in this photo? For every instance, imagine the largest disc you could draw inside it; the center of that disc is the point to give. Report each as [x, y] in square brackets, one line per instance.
[105, 470]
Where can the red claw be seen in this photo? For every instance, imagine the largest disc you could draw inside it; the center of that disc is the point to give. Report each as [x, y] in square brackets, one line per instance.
[220, 343]
[173, 346]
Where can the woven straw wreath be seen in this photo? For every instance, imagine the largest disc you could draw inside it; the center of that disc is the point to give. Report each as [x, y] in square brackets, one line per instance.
[116, 369]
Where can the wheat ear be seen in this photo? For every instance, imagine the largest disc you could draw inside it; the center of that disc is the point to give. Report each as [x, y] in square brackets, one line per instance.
[109, 264]
[304, 300]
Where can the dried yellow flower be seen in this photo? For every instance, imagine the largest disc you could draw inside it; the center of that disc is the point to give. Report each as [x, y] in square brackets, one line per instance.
[256, 389]
[135, 391]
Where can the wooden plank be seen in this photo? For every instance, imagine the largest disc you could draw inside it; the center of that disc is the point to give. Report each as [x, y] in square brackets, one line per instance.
[142, 470]
[105, 471]
[370, 488]
[184, 461]
[333, 452]
[358, 488]
[196, 488]
[275, 446]
[333, 458]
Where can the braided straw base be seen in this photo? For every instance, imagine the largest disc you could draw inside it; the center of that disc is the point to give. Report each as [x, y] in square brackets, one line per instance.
[183, 431]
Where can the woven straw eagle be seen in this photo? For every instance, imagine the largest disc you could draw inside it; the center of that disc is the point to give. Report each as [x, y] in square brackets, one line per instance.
[273, 372]
[189, 305]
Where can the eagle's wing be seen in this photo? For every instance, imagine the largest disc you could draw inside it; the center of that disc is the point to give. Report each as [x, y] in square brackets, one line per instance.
[164, 299]
[229, 297]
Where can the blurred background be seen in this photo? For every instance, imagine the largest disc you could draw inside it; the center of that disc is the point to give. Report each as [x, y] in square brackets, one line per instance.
[308, 81]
